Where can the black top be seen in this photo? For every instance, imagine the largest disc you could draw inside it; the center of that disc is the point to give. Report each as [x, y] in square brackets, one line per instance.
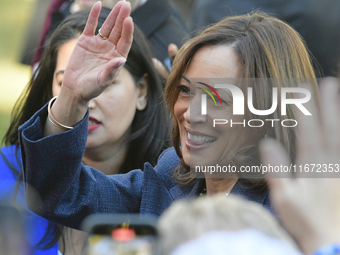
[317, 21]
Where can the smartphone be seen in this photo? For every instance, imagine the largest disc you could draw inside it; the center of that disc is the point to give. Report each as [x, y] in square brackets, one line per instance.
[121, 234]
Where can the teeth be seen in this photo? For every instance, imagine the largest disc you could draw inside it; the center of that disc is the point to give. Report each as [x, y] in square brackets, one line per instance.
[200, 139]
[91, 122]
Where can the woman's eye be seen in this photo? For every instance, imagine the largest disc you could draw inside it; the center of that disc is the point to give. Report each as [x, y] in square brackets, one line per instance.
[218, 103]
[223, 102]
[60, 79]
[184, 89]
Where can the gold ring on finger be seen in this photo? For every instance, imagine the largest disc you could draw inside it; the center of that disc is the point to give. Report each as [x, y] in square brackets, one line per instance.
[100, 34]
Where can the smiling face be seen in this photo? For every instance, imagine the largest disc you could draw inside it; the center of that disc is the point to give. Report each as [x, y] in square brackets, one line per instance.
[112, 112]
[203, 144]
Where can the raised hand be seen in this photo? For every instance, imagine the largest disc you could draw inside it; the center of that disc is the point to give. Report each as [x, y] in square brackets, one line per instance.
[96, 59]
[160, 67]
[309, 208]
[93, 65]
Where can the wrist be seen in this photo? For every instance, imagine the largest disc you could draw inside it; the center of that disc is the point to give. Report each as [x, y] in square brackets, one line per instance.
[68, 109]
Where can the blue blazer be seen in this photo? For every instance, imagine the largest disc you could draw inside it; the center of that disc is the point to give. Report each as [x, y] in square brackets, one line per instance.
[68, 191]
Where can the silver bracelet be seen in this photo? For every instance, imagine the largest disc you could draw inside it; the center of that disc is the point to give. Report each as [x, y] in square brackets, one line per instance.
[52, 119]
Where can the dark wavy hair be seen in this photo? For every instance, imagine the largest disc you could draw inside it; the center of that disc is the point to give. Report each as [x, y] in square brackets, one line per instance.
[150, 129]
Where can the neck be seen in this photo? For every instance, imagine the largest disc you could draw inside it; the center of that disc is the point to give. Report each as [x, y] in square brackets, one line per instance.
[215, 185]
[106, 163]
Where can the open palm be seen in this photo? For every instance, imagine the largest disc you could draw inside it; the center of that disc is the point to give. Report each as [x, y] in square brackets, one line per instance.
[95, 61]
[308, 205]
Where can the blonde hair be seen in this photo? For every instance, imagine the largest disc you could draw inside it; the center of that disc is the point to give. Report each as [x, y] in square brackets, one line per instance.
[184, 221]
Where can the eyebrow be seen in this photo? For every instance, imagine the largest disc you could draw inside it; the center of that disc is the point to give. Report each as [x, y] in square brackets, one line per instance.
[59, 72]
[186, 78]
[218, 89]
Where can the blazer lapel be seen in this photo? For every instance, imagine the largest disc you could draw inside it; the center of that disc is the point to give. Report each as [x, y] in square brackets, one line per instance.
[160, 191]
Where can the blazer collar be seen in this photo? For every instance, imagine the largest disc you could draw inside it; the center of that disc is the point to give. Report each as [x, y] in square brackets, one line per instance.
[165, 176]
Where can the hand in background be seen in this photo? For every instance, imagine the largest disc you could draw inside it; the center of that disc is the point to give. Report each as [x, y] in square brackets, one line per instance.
[310, 207]
[160, 67]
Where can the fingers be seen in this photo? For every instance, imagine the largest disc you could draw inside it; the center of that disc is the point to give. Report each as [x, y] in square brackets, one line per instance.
[117, 29]
[111, 19]
[110, 71]
[172, 50]
[92, 20]
[125, 41]
[273, 154]
[161, 69]
[308, 133]
[330, 112]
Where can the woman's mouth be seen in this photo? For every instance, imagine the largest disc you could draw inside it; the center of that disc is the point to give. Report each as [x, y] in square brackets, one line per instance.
[198, 141]
[93, 124]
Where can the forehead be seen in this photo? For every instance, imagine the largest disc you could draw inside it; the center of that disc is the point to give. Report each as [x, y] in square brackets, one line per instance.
[64, 54]
[214, 62]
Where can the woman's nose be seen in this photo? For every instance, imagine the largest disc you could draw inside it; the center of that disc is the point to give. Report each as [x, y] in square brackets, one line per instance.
[194, 113]
[92, 104]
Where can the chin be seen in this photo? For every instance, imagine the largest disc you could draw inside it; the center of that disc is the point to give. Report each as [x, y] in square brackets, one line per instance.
[90, 145]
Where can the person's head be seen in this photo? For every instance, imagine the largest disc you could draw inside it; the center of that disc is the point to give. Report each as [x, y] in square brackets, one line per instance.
[237, 48]
[187, 220]
[242, 242]
[131, 111]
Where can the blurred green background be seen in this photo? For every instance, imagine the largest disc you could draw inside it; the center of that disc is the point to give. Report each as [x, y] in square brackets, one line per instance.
[15, 16]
